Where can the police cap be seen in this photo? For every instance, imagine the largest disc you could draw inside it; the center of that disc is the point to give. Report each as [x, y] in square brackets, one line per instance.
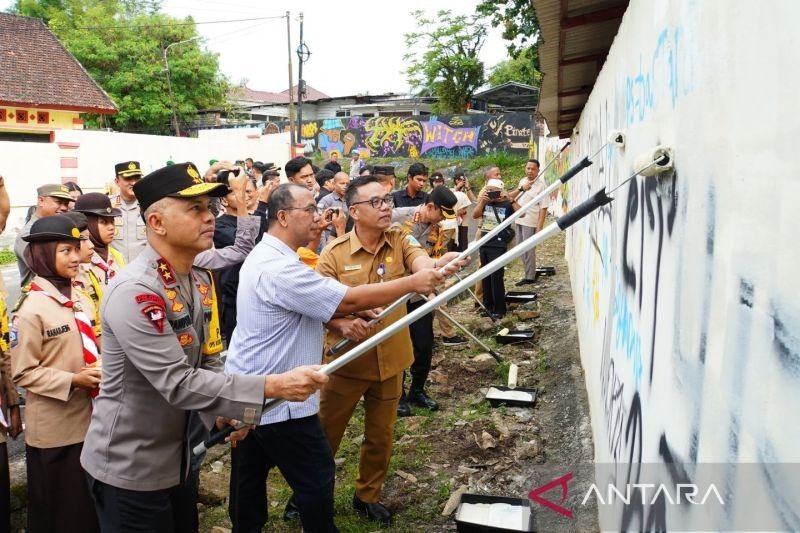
[181, 180]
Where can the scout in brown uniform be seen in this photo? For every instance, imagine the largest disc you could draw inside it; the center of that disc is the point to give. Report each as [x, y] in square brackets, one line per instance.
[81, 283]
[369, 254]
[53, 355]
[9, 399]
[106, 262]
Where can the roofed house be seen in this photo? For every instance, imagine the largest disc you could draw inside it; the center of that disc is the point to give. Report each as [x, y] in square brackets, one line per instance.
[42, 86]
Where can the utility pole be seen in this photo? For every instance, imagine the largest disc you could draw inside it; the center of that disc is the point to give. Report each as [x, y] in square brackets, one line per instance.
[302, 56]
[291, 95]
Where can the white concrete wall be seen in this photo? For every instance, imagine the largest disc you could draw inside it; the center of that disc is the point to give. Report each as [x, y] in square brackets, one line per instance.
[26, 166]
[685, 287]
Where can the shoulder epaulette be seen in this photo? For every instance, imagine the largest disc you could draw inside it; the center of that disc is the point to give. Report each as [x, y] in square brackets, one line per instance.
[26, 290]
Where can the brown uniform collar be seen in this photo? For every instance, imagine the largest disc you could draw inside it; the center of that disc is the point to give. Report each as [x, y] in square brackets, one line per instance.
[355, 242]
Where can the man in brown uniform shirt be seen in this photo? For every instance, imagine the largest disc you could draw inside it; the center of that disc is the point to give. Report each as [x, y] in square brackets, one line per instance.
[369, 254]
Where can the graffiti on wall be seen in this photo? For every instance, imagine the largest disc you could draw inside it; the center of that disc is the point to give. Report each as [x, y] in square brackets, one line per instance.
[679, 328]
[442, 137]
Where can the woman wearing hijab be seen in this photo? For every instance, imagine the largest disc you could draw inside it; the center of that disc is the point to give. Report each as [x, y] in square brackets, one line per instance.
[106, 261]
[54, 356]
[83, 282]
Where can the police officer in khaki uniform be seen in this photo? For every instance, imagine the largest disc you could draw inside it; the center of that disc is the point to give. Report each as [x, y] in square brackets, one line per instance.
[161, 360]
[129, 232]
[369, 254]
[54, 357]
[422, 223]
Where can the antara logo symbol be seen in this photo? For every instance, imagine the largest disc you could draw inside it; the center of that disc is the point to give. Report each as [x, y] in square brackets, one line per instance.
[562, 482]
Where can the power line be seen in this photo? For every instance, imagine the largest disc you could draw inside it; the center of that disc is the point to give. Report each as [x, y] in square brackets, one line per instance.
[136, 26]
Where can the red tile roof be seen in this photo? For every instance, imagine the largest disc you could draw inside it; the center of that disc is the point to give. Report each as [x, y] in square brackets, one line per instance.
[249, 95]
[37, 71]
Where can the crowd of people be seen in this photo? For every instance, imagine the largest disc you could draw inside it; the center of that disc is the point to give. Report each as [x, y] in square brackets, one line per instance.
[128, 302]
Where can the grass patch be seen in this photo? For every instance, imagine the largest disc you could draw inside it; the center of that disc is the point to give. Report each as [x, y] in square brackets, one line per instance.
[501, 371]
[7, 256]
[542, 362]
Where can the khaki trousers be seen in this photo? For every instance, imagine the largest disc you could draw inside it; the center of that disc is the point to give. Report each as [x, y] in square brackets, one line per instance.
[338, 400]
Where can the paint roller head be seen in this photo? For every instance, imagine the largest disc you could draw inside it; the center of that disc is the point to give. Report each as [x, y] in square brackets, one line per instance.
[617, 138]
[655, 161]
[503, 332]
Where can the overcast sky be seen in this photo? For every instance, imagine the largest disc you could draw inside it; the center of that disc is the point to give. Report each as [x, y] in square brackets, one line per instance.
[356, 46]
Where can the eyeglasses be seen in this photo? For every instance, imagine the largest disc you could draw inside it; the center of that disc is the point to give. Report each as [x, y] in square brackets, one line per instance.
[377, 202]
[310, 209]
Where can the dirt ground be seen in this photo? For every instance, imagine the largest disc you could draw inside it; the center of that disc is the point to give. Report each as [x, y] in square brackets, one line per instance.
[467, 445]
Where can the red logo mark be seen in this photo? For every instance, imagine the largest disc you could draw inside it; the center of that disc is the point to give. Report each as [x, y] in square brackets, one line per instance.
[561, 481]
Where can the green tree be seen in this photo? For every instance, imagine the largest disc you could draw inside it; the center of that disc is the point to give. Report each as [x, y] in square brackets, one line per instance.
[522, 69]
[518, 20]
[120, 43]
[448, 66]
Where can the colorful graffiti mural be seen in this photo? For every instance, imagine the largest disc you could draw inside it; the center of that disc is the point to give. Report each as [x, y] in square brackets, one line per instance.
[442, 137]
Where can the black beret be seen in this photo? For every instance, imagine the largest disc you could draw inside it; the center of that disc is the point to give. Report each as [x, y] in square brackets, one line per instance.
[54, 228]
[95, 203]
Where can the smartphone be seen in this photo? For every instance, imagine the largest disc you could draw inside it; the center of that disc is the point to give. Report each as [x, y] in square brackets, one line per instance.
[333, 213]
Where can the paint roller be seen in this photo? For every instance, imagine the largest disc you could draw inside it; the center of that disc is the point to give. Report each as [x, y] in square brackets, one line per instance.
[513, 370]
[654, 161]
[617, 138]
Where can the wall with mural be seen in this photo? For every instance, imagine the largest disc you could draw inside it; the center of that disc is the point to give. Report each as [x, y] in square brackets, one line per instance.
[442, 137]
[685, 286]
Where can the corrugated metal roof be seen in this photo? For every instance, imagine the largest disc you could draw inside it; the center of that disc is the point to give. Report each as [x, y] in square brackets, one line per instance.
[576, 37]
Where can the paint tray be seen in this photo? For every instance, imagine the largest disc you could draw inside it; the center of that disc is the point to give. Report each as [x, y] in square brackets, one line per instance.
[498, 395]
[510, 337]
[546, 271]
[520, 297]
[480, 513]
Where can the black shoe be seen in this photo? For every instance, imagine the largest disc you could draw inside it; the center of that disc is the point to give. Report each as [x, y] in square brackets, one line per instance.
[455, 340]
[403, 409]
[525, 281]
[496, 316]
[291, 512]
[418, 397]
[373, 511]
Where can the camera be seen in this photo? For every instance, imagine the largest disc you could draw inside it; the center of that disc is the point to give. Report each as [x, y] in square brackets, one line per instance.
[494, 195]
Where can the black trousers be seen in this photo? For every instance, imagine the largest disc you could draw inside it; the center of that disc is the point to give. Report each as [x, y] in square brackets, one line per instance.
[301, 452]
[58, 498]
[494, 289]
[422, 339]
[129, 511]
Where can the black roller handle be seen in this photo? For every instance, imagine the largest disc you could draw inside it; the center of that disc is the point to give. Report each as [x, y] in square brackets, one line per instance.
[569, 174]
[338, 346]
[596, 200]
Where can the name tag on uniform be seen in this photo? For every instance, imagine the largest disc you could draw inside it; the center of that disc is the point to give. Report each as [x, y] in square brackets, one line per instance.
[348, 268]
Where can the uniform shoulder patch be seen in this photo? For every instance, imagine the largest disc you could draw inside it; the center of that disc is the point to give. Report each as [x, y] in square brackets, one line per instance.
[413, 241]
[13, 336]
[156, 314]
[151, 298]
